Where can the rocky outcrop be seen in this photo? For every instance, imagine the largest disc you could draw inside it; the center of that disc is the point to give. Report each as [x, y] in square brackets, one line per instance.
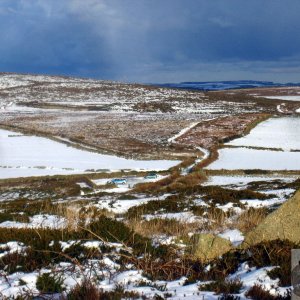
[284, 223]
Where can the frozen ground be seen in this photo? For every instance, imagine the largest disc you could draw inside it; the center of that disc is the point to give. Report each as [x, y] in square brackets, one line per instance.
[243, 158]
[288, 98]
[23, 156]
[278, 142]
[281, 133]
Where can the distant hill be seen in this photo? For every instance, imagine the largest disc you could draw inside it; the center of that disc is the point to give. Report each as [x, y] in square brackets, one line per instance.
[225, 85]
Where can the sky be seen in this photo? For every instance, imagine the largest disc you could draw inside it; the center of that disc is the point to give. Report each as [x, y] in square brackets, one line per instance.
[152, 41]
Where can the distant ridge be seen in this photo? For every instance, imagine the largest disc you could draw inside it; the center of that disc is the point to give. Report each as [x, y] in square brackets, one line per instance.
[225, 85]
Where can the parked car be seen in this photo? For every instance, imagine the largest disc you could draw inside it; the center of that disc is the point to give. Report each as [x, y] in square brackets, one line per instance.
[118, 181]
[151, 175]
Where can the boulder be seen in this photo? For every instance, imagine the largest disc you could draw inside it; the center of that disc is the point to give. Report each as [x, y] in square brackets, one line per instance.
[284, 223]
[208, 246]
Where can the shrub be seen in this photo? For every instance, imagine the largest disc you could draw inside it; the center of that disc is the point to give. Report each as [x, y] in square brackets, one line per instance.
[281, 273]
[273, 253]
[127, 197]
[229, 297]
[84, 291]
[4, 216]
[294, 185]
[48, 283]
[104, 228]
[114, 231]
[17, 262]
[257, 292]
[216, 217]
[222, 196]
[255, 171]
[250, 219]
[88, 291]
[226, 286]
[156, 226]
[172, 204]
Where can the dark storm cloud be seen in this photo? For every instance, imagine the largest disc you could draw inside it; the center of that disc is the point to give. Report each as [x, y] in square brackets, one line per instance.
[152, 40]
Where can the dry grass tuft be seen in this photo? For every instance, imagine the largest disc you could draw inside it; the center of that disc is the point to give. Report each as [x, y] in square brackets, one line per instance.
[77, 216]
[159, 226]
[216, 220]
[249, 219]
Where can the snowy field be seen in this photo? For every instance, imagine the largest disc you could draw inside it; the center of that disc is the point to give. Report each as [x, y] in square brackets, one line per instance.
[287, 98]
[278, 133]
[243, 158]
[23, 156]
[281, 133]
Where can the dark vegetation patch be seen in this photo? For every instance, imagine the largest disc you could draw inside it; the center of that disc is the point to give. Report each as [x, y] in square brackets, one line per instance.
[153, 106]
[182, 201]
[168, 267]
[257, 292]
[220, 195]
[106, 228]
[55, 186]
[185, 186]
[28, 208]
[33, 258]
[186, 182]
[250, 218]
[6, 216]
[274, 184]
[49, 283]
[127, 197]
[88, 291]
[226, 286]
[208, 210]
[173, 183]
[172, 204]
[293, 185]
[229, 297]
[25, 193]
[255, 171]
[44, 248]
[275, 253]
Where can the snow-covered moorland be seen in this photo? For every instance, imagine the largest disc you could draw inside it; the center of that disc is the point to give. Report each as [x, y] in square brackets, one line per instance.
[180, 233]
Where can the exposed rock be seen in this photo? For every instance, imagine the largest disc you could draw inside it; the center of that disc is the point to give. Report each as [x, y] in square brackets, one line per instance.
[284, 223]
[209, 246]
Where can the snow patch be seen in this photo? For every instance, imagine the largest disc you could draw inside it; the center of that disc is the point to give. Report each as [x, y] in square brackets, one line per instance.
[234, 236]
